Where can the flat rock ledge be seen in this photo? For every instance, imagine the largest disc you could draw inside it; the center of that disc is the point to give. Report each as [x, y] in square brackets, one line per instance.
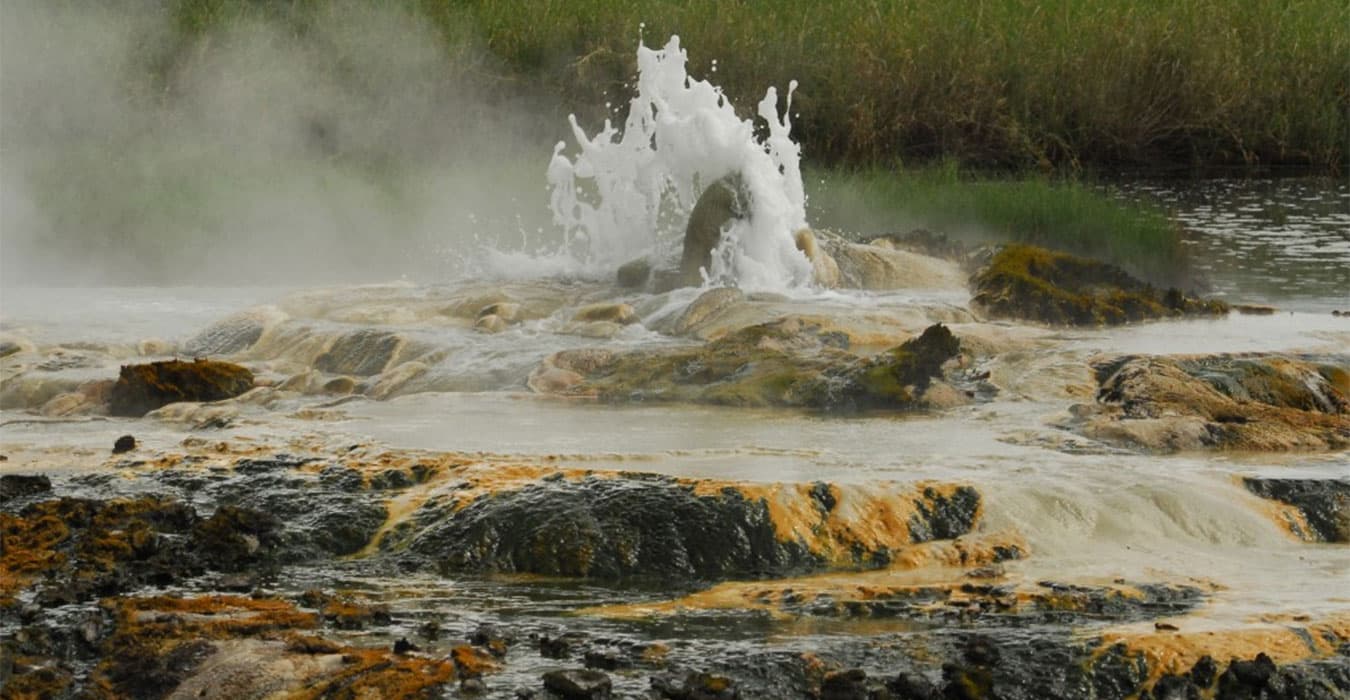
[1225, 402]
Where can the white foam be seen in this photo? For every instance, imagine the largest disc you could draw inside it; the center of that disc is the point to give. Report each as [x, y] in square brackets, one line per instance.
[628, 193]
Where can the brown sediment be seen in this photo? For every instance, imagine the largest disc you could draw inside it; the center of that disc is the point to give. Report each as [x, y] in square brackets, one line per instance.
[1178, 652]
[376, 673]
[472, 662]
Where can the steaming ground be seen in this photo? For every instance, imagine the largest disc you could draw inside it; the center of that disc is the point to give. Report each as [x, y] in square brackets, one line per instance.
[352, 147]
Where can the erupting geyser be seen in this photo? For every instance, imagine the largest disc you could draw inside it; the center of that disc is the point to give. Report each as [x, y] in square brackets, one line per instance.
[628, 193]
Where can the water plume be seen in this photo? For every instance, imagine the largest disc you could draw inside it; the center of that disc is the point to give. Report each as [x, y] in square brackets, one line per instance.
[628, 192]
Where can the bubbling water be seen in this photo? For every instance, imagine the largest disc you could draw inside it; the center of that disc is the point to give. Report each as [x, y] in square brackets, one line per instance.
[629, 193]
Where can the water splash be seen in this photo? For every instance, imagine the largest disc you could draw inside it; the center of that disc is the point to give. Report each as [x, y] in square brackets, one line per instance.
[629, 193]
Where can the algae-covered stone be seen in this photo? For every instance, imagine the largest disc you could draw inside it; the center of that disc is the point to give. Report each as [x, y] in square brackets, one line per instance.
[143, 388]
[1035, 284]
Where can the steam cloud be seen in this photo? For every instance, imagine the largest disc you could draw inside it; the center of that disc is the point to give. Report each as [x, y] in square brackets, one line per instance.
[350, 147]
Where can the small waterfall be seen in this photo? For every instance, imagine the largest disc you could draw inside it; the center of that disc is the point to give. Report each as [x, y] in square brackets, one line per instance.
[629, 193]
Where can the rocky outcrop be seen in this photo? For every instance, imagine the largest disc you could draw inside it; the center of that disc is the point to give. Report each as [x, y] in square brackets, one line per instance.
[143, 388]
[789, 362]
[72, 550]
[1319, 508]
[887, 267]
[1253, 402]
[1034, 284]
[631, 525]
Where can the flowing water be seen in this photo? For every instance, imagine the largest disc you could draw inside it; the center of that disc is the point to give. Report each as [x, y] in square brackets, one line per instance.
[1087, 511]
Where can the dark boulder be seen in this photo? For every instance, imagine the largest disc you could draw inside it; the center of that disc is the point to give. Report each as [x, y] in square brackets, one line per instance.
[578, 684]
[143, 388]
[613, 528]
[16, 486]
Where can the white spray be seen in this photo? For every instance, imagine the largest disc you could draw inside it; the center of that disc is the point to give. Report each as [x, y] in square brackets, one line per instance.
[628, 194]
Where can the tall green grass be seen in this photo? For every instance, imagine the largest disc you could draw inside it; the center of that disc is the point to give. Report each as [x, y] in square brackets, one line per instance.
[1022, 84]
[998, 84]
[1061, 214]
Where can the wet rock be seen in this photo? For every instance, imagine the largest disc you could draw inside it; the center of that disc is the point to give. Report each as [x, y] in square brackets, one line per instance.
[1229, 402]
[578, 684]
[362, 353]
[621, 314]
[1323, 503]
[896, 378]
[633, 525]
[722, 201]
[824, 269]
[340, 385]
[490, 323]
[610, 528]
[143, 388]
[126, 443]
[845, 685]
[606, 659]
[1035, 284]
[706, 307]
[634, 275]
[348, 614]
[507, 311]
[784, 363]
[17, 486]
[924, 242]
[473, 686]
[403, 646]
[233, 334]
[864, 266]
[557, 647]
[73, 550]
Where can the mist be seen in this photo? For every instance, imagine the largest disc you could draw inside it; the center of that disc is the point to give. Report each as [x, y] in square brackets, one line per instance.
[357, 145]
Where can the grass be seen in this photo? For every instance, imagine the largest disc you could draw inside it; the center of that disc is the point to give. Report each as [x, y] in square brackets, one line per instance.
[1062, 214]
[1009, 84]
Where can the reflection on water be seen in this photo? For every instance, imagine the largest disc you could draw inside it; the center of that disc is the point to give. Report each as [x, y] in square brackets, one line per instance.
[1285, 242]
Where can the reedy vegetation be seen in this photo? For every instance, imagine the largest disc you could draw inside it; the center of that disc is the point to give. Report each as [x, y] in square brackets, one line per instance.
[1020, 84]
[1060, 84]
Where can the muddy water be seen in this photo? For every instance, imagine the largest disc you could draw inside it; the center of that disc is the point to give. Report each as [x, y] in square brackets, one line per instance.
[1089, 513]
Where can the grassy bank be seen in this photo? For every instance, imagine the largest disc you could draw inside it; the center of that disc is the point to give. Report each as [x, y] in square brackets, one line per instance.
[1009, 84]
[1064, 215]
[1024, 84]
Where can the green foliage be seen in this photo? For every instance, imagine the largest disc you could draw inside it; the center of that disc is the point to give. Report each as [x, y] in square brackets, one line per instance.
[1056, 84]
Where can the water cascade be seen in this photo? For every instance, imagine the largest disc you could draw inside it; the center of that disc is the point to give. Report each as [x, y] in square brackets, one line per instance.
[629, 193]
